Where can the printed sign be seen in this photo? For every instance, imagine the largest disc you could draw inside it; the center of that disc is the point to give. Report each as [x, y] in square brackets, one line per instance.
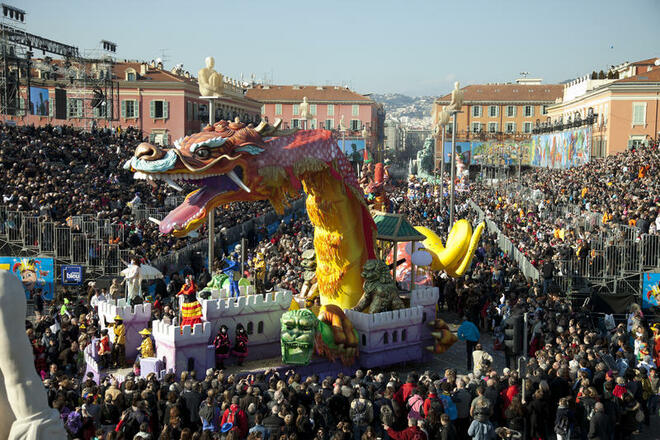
[35, 273]
[650, 289]
[72, 275]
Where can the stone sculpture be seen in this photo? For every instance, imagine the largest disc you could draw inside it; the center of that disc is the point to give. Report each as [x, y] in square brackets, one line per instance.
[24, 410]
[210, 81]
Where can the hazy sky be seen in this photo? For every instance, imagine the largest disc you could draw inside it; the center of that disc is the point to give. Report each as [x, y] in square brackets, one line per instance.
[412, 46]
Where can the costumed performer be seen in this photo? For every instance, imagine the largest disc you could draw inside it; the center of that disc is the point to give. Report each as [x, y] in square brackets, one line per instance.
[119, 344]
[240, 344]
[222, 346]
[104, 349]
[146, 348]
[191, 311]
[232, 271]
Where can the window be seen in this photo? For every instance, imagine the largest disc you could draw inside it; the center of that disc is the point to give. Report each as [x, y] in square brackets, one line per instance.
[510, 127]
[355, 124]
[260, 327]
[296, 109]
[395, 336]
[386, 338]
[639, 113]
[476, 111]
[295, 123]
[329, 124]
[544, 110]
[492, 127]
[510, 111]
[529, 111]
[493, 111]
[159, 109]
[364, 339]
[476, 127]
[312, 109]
[527, 128]
[130, 75]
[278, 109]
[404, 335]
[313, 124]
[189, 111]
[356, 110]
[250, 328]
[263, 109]
[331, 109]
[75, 108]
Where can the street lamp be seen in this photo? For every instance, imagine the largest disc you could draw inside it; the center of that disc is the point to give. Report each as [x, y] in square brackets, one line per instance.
[443, 120]
[455, 107]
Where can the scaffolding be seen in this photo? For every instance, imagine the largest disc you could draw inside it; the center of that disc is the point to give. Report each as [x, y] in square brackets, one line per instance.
[14, 64]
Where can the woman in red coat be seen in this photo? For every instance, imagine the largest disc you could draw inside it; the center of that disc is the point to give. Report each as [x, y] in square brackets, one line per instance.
[222, 347]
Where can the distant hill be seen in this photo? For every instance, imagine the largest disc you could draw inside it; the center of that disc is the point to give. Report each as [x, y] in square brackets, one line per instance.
[414, 111]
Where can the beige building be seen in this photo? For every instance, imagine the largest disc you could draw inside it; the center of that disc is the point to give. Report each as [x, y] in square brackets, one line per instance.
[626, 108]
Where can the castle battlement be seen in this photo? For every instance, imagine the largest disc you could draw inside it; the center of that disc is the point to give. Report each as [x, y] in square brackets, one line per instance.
[173, 334]
[111, 308]
[424, 296]
[213, 309]
[368, 322]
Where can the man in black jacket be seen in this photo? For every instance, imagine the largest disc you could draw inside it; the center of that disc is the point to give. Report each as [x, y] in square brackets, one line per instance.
[600, 426]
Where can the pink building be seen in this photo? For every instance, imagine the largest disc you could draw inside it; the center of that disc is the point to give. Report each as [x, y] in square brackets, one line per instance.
[329, 106]
[165, 105]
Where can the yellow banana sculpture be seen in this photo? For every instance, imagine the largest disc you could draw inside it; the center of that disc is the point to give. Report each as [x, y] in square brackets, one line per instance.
[455, 258]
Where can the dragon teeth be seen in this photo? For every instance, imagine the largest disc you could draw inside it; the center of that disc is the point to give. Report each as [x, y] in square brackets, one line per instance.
[237, 180]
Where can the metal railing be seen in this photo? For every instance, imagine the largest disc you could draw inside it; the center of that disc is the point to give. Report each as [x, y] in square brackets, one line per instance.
[506, 246]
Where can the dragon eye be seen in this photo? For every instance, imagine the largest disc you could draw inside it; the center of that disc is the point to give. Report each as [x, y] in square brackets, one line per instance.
[203, 153]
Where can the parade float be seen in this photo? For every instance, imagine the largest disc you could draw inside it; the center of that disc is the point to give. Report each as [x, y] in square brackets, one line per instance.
[363, 320]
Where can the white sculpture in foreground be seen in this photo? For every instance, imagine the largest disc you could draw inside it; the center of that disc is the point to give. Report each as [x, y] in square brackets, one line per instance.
[24, 410]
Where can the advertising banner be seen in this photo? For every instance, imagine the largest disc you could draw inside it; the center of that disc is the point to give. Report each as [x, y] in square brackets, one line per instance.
[35, 273]
[39, 101]
[563, 149]
[72, 275]
[650, 289]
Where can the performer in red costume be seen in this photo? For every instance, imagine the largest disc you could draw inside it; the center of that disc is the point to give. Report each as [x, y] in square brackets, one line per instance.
[191, 311]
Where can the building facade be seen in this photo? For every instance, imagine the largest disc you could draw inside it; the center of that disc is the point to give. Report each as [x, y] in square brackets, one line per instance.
[625, 106]
[331, 107]
[164, 104]
[500, 109]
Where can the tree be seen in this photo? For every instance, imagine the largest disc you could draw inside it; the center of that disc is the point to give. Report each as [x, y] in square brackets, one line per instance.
[601, 75]
[610, 75]
[594, 75]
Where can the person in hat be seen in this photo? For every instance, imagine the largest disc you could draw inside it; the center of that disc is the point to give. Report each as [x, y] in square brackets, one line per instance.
[146, 348]
[104, 349]
[222, 346]
[240, 344]
[233, 272]
[191, 311]
[119, 344]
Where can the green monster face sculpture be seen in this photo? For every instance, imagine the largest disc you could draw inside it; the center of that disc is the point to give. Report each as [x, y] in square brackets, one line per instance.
[298, 334]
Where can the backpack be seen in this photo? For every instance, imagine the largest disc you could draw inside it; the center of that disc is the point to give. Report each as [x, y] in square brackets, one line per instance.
[415, 407]
[449, 406]
[231, 418]
[436, 406]
[561, 427]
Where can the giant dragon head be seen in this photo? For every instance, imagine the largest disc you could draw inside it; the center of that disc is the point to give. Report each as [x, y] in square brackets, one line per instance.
[219, 160]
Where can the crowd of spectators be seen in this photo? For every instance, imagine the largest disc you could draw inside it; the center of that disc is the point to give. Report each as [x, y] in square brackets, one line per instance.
[586, 376]
[60, 172]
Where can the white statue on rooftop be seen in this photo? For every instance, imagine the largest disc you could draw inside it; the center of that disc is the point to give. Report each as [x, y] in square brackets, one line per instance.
[24, 410]
[210, 81]
[456, 98]
[304, 109]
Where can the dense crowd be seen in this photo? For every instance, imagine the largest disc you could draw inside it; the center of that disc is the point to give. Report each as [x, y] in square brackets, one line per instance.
[561, 211]
[59, 172]
[584, 375]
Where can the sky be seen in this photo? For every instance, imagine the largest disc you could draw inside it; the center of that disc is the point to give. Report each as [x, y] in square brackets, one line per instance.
[412, 47]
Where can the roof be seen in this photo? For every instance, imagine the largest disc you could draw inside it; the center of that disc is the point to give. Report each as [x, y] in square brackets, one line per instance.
[650, 61]
[152, 74]
[274, 93]
[650, 76]
[508, 93]
[395, 227]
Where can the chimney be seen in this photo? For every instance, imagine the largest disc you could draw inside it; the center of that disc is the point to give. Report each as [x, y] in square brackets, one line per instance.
[143, 69]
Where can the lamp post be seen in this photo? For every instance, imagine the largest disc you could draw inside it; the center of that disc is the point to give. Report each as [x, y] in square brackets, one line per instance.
[455, 107]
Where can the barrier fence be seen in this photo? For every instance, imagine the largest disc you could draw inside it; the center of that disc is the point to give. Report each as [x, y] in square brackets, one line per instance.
[506, 246]
[95, 243]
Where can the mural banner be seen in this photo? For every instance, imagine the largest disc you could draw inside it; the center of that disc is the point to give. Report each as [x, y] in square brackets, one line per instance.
[650, 289]
[35, 273]
[563, 149]
[504, 152]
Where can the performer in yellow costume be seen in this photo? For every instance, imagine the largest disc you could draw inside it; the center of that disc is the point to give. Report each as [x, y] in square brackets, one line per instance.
[146, 348]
